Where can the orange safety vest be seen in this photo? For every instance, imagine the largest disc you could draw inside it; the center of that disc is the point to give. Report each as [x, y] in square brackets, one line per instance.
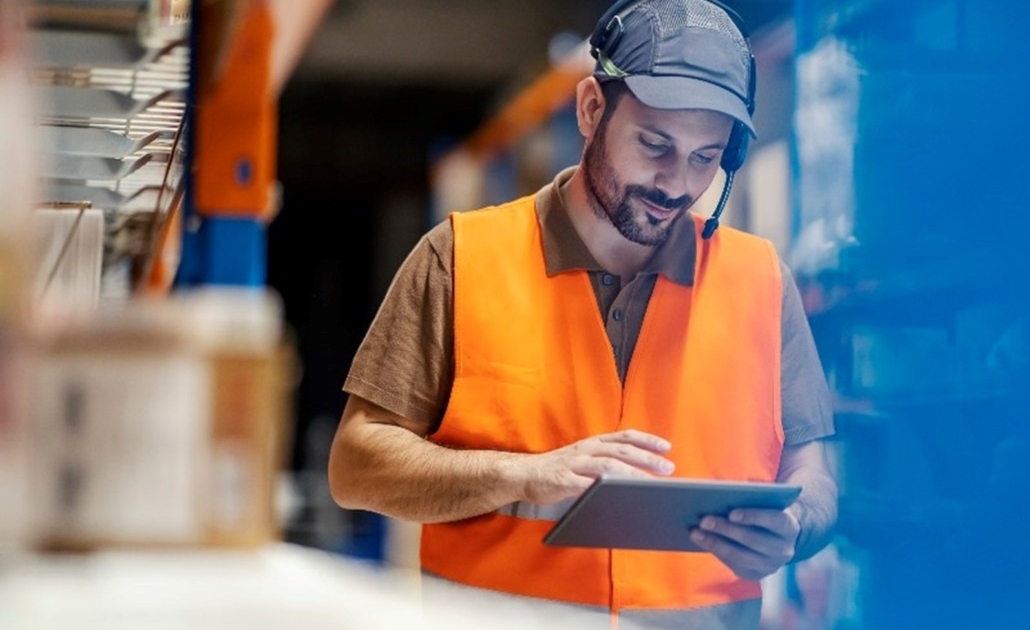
[534, 371]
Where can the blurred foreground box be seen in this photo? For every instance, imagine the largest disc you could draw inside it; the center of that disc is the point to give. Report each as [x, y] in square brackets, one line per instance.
[160, 423]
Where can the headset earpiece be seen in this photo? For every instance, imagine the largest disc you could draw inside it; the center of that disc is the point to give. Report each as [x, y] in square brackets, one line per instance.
[608, 38]
[734, 154]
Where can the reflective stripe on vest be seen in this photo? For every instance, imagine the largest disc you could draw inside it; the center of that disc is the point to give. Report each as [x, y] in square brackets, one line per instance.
[534, 371]
[536, 511]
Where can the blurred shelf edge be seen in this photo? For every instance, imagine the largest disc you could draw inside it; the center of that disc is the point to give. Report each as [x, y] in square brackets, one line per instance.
[104, 198]
[949, 282]
[81, 168]
[877, 521]
[66, 49]
[147, 20]
[853, 17]
[106, 16]
[86, 103]
[878, 406]
[95, 142]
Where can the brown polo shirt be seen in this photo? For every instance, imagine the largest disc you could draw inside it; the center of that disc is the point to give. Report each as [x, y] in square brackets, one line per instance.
[405, 364]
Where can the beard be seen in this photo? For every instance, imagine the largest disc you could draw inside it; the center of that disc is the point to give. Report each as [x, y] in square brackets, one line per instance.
[621, 205]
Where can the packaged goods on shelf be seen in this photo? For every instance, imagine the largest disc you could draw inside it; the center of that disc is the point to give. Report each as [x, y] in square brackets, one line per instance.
[160, 422]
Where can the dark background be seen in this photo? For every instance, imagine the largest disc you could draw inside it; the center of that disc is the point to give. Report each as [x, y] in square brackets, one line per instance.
[384, 86]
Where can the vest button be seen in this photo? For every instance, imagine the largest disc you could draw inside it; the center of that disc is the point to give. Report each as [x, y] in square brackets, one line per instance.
[617, 315]
[608, 279]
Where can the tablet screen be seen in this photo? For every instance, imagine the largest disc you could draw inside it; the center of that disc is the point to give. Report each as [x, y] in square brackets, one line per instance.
[656, 513]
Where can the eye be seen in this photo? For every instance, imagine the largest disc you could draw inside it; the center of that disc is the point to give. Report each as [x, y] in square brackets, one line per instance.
[701, 158]
[655, 148]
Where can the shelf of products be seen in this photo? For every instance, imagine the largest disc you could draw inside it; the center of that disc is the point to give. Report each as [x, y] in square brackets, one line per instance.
[912, 279]
[110, 113]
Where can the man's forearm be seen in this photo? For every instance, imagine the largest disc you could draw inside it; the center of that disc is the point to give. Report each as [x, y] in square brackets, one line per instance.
[815, 509]
[381, 461]
[806, 465]
[388, 469]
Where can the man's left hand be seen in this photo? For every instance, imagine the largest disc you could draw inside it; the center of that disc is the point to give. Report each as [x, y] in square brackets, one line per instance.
[753, 543]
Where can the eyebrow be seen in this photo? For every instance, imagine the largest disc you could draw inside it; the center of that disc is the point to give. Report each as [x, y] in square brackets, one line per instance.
[714, 145]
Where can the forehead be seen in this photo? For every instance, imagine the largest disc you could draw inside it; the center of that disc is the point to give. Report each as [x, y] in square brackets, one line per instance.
[685, 124]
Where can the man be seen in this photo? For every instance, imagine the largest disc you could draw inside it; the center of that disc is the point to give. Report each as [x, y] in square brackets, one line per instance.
[524, 350]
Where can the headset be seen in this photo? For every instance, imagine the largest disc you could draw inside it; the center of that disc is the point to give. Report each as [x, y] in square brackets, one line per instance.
[605, 39]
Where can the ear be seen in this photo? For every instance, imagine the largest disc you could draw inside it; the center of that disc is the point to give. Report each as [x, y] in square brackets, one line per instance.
[589, 106]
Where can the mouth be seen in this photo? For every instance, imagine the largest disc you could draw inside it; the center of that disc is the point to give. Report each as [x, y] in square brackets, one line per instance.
[661, 213]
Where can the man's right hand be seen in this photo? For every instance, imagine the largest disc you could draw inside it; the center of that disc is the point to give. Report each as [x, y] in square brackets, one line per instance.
[568, 471]
[382, 462]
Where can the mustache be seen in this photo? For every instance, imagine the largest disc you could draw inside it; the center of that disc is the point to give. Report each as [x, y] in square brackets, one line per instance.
[658, 198]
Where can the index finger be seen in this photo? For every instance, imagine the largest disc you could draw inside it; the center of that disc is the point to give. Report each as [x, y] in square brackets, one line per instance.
[642, 439]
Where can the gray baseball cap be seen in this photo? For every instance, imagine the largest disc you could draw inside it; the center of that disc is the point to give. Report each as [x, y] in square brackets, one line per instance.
[679, 54]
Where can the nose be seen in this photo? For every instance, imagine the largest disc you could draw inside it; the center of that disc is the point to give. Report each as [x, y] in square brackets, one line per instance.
[678, 179]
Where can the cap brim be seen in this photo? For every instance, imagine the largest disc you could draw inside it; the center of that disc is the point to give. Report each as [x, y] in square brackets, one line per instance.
[670, 92]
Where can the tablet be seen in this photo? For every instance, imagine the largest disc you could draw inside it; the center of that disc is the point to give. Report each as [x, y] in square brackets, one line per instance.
[657, 512]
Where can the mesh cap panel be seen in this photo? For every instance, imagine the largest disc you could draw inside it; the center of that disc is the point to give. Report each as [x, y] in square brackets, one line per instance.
[672, 16]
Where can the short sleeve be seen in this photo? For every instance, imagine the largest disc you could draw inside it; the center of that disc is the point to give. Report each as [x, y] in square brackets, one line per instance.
[404, 364]
[806, 402]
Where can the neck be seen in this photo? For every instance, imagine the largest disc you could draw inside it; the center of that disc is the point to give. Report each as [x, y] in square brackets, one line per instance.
[609, 247]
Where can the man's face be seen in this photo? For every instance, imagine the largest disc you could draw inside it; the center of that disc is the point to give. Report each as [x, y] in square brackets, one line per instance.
[644, 167]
